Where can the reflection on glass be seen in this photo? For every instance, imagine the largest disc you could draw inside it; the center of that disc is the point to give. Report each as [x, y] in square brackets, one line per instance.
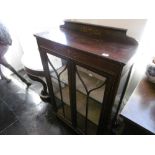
[90, 91]
[59, 77]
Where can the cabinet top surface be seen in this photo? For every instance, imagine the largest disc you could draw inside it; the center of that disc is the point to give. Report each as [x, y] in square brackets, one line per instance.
[140, 108]
[110, 47]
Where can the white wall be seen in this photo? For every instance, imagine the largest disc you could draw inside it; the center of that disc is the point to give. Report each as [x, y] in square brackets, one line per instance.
[23, 19]
[29, 19]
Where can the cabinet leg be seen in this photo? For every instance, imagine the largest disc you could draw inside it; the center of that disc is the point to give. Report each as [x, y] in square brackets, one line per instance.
[121, 98]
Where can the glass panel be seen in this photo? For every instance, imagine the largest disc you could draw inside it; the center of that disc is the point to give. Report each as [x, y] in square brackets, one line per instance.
[59, 76]
[90, 92]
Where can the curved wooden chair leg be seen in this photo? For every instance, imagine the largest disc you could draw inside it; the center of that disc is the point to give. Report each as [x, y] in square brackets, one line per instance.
[44, 94]
[3, 77]
[4, 63]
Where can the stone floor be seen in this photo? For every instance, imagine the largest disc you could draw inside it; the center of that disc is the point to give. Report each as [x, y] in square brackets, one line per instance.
[22, 112]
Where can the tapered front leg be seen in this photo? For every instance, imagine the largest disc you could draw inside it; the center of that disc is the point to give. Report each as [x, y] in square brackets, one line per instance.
[4, 63]
[3, 77]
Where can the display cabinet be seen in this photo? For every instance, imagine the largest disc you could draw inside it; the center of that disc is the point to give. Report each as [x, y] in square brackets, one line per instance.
[86, 91]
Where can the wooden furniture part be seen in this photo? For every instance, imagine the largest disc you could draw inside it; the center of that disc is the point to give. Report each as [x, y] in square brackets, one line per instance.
[3, 62]
[5, 42]
[97, 63]
[36, 73]
[140, 109]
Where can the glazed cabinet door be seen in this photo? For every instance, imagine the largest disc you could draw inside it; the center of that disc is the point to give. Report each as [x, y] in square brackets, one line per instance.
[80, 96]
[90, 90]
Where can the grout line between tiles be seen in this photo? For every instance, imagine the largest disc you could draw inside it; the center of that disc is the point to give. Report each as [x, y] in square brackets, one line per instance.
[8, 126]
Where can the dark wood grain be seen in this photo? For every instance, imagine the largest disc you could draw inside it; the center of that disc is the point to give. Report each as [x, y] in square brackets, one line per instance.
[104, 50]
[117, 49]
[140, 109]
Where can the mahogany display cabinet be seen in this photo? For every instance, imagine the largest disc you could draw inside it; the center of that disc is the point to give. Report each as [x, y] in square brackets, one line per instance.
[87, 89]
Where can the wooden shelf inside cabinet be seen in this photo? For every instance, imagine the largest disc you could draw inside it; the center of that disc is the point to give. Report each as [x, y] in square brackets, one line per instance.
[91, 80]
[80, 119]
[94, 55]
[94, 107]
[95, 98]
